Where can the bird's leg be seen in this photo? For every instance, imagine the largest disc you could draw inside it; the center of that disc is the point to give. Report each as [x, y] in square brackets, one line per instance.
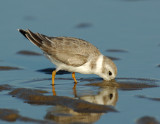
[74, 90]
[74, 78]
[53, 77]
[53, 90]
[75, 81]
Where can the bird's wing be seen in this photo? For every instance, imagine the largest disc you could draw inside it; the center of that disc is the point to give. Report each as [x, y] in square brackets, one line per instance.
[69, 58]
[68, 50]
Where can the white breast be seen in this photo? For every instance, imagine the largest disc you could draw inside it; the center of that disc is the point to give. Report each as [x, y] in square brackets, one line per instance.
[99, 62]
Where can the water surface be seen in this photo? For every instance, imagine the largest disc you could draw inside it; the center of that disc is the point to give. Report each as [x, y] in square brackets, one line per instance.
[125, 30]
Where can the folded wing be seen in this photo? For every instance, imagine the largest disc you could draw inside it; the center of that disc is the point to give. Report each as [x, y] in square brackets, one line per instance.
[70, 51]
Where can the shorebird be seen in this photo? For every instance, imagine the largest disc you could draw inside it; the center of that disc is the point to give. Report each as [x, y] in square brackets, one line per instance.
[73, 55]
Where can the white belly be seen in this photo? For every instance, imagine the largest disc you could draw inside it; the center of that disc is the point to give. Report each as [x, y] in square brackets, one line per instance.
[84, 69]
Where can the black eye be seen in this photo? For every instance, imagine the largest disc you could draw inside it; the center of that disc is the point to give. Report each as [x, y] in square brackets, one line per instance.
[110, 96]
[110, 73]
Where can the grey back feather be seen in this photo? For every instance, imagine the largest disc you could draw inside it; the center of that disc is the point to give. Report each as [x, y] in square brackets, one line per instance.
[68, 50]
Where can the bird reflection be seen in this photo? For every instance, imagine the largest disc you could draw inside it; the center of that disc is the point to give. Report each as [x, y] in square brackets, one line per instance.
[106, 96]
[74, 90]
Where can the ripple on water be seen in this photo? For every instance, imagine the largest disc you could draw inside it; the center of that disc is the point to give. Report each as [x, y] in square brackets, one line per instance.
[7, 68]
[28, 53]
[147, 120]
[117, 51]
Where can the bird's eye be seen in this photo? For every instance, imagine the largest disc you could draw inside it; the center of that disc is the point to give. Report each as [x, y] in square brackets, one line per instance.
[110, 73]
[111, 96]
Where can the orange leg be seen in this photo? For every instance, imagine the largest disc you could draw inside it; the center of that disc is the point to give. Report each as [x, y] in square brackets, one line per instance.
[74, 78]
[53, 90]
[53, 77]
[75, 81]
[74, 90]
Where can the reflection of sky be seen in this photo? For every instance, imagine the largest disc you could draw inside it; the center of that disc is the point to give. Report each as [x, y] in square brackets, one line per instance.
[115, 24]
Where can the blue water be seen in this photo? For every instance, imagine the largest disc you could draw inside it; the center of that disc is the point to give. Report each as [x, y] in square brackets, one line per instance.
[132, 25]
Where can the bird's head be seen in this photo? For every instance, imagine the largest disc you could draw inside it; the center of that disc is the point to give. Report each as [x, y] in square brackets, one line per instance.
[109, 69]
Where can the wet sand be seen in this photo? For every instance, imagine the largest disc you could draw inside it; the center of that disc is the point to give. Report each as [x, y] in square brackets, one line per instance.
[72, 110]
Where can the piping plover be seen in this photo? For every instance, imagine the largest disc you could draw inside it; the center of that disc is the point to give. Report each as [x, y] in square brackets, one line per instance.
[73, 55]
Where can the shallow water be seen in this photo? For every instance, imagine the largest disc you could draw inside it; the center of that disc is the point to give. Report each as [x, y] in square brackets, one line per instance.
[125, 30]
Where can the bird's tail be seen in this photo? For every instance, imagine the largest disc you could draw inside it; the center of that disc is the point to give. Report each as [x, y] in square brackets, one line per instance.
[35, 38]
